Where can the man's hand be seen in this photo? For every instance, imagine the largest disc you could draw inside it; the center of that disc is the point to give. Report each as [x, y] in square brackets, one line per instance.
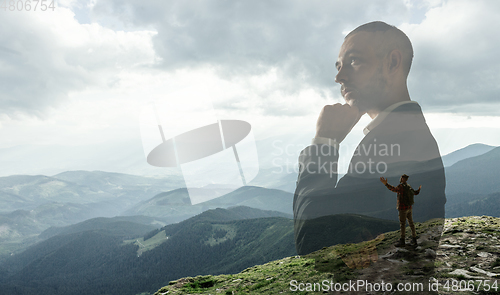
[383, 180]
[336, 121]
[419, 187]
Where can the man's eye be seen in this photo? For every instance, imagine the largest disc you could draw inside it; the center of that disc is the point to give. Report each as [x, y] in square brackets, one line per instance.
[354, 61]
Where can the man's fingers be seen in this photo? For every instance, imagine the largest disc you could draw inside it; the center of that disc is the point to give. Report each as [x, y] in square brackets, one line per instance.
[352, 112]
[330, 107]
[336, 121]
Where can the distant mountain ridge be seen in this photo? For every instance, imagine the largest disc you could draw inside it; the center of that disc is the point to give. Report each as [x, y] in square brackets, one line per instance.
[122, 226]
[30, 204]
[469, 151]
[478, 174]
[124, 157]
[80, 187]
[176, 203]
[472, 185]
[32, 191]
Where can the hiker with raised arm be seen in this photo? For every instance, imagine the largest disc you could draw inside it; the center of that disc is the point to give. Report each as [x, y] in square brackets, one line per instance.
[404, 203]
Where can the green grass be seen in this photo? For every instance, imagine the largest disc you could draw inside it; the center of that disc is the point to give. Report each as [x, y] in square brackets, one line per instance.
[148, 244]
[270, 278]
[327, 264]
[221, 233]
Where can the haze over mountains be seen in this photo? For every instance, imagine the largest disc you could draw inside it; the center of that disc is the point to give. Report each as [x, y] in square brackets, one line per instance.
[177, 203]
[31, 204]
[125, 157]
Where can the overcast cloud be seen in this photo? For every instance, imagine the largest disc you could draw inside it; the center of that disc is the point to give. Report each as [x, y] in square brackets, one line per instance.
[300, 39]
[456, 64]
[455, 44]
[47, 55]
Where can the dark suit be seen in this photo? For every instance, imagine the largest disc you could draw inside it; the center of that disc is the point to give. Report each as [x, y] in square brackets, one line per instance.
[401, 143]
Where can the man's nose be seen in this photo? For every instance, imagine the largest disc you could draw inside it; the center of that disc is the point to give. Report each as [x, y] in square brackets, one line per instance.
[341, 76]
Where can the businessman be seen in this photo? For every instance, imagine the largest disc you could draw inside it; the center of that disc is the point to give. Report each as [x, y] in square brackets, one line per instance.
[372, 69]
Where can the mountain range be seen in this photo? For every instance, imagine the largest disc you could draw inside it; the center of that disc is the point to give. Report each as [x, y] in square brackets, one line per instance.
[472, 186]
[32, 204]
[474, 175]
[469, 151]
[175, 204]
[116, 256]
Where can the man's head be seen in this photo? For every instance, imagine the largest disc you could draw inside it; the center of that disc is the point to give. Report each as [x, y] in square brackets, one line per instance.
[404, 178]
[373, 64]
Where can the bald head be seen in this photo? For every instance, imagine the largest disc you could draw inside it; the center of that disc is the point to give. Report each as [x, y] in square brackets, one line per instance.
[386, 39]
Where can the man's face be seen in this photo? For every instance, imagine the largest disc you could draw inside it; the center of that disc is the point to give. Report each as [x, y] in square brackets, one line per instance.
[360, 71]
[402, 180]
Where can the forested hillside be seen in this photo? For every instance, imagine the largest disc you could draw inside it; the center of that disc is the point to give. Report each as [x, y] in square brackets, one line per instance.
[107, 261]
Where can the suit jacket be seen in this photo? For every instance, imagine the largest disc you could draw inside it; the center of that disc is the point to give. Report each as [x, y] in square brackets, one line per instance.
[401, 144]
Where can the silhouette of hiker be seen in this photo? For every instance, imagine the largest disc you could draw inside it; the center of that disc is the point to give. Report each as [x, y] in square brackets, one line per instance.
[405, 201]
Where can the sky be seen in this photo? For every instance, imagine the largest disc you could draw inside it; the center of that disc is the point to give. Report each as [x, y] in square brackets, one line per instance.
[80, 74]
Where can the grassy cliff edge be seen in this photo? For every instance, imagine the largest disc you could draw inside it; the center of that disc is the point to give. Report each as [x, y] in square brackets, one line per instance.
[467, 252]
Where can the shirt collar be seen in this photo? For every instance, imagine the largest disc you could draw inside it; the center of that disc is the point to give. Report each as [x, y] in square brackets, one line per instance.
[382, 115]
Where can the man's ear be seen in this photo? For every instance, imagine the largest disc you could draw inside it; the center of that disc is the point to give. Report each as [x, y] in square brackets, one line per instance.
[395, 61]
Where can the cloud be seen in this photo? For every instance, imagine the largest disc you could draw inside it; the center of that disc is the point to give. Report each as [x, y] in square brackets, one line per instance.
[455, 46]
[244, 38]
[456, 64]
[47, 55]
